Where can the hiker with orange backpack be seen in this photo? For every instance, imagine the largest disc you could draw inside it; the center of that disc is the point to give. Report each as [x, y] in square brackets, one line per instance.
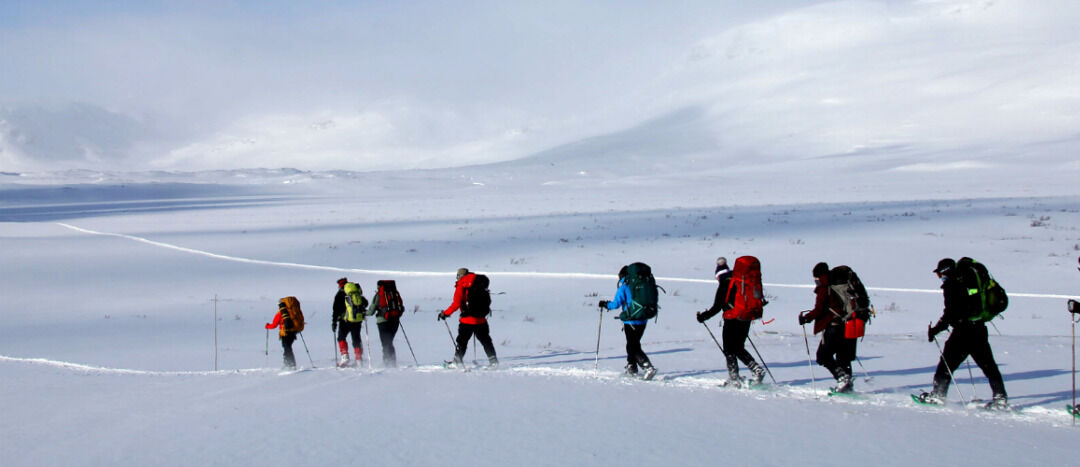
[289, 323]
[739, 295]
[387, 308]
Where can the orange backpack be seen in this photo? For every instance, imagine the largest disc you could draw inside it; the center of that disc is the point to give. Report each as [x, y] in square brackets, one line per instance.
[294, 319]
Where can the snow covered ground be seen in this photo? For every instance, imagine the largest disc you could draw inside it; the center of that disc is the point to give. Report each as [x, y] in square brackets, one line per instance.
[108, 346]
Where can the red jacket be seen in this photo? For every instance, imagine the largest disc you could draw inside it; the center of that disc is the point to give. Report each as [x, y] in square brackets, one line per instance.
[459, 295]
[826, 305]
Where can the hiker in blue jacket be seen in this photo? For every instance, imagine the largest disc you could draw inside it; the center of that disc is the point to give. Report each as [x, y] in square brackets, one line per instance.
[634, 330]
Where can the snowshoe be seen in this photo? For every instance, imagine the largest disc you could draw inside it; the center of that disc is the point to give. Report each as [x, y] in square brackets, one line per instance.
[735, 383]
[758, 374]
[844, 385]
[1073, 410]
[630, 371]
[998, 403]
[650, 371]
[928, 398]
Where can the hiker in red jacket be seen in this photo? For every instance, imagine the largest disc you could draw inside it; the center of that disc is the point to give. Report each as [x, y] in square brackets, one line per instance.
[472, 298]
[287, 338]
[835, 352]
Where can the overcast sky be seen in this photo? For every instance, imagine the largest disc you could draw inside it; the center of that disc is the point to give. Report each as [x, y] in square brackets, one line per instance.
[379, 84]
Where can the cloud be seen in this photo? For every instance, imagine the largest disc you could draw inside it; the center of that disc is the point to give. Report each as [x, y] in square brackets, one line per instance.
[425, 84]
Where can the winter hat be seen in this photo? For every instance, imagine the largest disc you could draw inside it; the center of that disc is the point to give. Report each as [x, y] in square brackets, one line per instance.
[341, 282]
[461, 272]
[623, 272]
[944, 265]
[820, 269]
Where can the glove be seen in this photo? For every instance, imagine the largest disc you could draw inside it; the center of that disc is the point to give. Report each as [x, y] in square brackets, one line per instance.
[931, 332]
[802, 319]
[333, 326]
[602, 304]
[442, 316]
[700, 318]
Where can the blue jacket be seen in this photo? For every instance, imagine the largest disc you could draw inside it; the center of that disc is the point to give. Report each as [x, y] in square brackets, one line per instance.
[622, 299]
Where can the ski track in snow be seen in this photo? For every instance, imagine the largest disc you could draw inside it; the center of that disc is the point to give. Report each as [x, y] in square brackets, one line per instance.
[880, 398]
[541, 275]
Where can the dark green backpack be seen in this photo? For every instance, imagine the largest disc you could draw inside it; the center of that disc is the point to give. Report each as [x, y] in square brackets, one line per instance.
[987, 297]
[643, 293]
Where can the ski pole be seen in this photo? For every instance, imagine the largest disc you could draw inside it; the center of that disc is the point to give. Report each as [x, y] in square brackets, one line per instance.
[306, 349]
[971, 377]
[767, 370]
[713, 336]
[334, 348]
[367, 340]
[951, 376]
[452, 341]
[1074, 308]
[599, 326]
[267, 351]
[857, 359]
[408, 343]
[809, 362]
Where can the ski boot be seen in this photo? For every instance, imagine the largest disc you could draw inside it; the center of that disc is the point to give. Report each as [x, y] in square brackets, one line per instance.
[650, 371]
[343, 357]
[931, 398]
[630, 371]
[359, 352]
[734, 380]
[493, 363]
[999, 402]
[758, 373]
[844, 384]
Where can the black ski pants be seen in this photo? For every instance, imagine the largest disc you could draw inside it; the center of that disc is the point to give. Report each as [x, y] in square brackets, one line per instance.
[836, 352]
[968, 339]
[734, 334]
[387, 330]
[635, 357]
[286, 345]
[346, 328]
[482, 333]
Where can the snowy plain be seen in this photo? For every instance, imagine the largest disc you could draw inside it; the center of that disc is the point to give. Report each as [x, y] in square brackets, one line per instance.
[882, 135]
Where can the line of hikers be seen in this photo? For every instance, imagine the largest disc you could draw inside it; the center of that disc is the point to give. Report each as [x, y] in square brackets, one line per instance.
[350, 308]
[841, 311]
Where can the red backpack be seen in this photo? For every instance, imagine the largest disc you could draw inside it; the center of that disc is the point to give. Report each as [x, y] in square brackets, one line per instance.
[389, 305]
[745, 294]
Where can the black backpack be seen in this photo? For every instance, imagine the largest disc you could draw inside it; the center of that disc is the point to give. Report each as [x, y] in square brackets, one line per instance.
[477, 300]
[987, 298]
[846, 285]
